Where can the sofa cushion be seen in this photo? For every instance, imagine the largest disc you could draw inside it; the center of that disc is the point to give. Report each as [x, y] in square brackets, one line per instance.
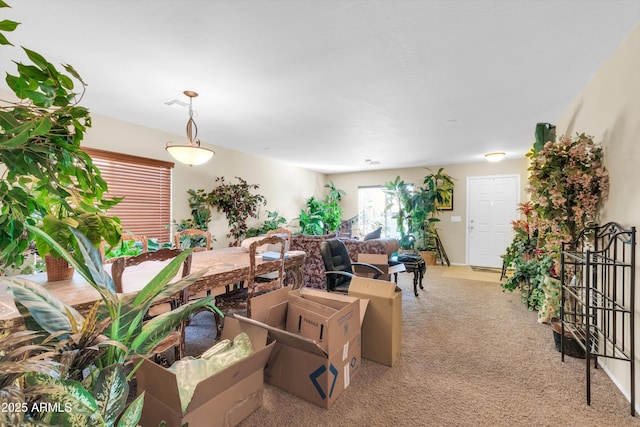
[314, 270]
[374, 246]
[375, 234]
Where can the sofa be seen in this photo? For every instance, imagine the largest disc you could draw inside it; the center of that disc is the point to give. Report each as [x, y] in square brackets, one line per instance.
[314, 271]
[373, 246]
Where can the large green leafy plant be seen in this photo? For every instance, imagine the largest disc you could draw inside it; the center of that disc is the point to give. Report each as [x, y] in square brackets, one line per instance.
[200, 211]
[126, 311]
[273, 221]
[90, 352]
[200, 217]
[322, 216]
[529, 265]
[238, 203]
[567, 182]
[59, 373]
[399, 196]
[436, 191]
[418, 210]
[40, 137]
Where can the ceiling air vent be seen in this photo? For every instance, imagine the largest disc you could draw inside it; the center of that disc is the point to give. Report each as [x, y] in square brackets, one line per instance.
[175, 102]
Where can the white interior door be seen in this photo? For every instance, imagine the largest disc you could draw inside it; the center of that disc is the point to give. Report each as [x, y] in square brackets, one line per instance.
[492, 203]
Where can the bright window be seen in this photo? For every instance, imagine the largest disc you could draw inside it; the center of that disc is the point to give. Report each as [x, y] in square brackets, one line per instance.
[372, 202]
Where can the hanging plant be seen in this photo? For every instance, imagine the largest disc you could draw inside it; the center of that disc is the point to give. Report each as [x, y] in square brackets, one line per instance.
[237, 203]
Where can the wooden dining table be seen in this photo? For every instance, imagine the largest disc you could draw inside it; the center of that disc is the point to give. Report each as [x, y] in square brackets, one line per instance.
[223, 267]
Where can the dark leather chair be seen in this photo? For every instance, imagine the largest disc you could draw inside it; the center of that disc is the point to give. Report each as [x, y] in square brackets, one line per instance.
[339, 267]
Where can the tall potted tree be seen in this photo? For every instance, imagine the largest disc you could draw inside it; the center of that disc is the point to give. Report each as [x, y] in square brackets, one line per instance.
[436, 192]
[238, 203]
[568, 183]
[400, 197]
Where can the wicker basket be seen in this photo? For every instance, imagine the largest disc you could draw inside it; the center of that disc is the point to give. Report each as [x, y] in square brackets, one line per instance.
[429, 257]
[57, 269]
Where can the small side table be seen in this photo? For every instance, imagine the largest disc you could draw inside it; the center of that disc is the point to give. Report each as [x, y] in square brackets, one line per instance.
[418, 269]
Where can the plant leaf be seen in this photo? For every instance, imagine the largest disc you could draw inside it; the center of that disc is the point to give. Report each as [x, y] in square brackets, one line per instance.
[84, 409]
[92, 264]
[93, 261]
[179, 285]
[46, 309]
[156, 329]
[131, 416]
[6, 25]
[110, 392]
[4, 40]
[154, 287]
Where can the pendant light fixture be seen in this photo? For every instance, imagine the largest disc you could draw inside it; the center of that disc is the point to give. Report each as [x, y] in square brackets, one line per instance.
[190, 154]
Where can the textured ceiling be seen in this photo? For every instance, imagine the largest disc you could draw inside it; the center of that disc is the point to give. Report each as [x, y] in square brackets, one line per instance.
[328, 85]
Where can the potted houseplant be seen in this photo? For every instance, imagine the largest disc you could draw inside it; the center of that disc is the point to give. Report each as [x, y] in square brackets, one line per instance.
[40, 137]
[399, 197]
[62, 214]
[273, 221]
[436, 192]
[237, 202]
[322, 216]
[568, 182]
[89, 352]
[200, 217]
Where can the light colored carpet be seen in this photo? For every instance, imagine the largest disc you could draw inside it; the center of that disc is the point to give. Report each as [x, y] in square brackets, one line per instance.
[472, 355]
[468, 273]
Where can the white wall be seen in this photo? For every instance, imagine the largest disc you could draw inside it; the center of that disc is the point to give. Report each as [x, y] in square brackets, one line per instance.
[608, 109]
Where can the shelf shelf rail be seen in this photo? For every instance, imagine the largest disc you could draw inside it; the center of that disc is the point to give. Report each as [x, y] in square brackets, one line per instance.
[598, 297]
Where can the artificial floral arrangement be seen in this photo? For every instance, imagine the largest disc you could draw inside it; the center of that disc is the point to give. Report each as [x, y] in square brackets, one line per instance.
[567, 182]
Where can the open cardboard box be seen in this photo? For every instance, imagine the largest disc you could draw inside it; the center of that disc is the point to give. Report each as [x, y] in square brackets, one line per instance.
[382, 326]
[317, 336]
[378, 260]
[223, 399]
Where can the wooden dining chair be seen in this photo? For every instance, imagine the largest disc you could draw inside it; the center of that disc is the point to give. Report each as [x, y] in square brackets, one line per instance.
[193, 235]
[144, 242]
[239, 300]
[176, 338]
[137, 238]
[281, 232]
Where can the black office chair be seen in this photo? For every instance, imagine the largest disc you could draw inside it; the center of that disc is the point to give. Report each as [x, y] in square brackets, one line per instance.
[339, 267]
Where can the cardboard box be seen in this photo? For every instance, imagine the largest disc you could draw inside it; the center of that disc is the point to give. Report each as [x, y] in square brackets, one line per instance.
[223, 399]
[318, 346]
[382, 326]
[378, 260]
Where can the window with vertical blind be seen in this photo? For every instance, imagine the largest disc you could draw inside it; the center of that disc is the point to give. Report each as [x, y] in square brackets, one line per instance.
[145, 185]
